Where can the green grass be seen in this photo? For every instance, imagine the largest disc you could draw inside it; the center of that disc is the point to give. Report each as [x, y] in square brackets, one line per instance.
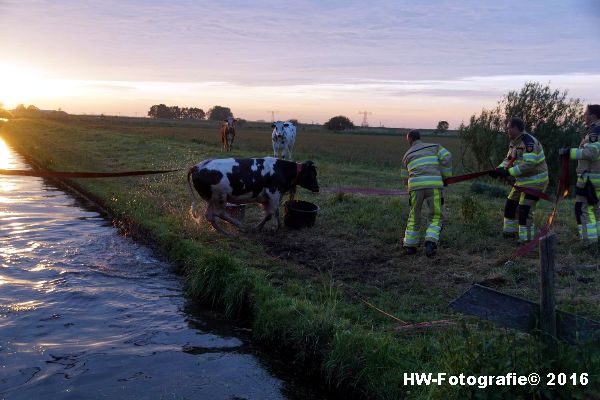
[299, 287]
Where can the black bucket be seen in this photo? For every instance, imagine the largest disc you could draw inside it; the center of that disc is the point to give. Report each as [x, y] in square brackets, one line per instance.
[299, 214]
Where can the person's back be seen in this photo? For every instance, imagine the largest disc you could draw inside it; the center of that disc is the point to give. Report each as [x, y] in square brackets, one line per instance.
[424, 166]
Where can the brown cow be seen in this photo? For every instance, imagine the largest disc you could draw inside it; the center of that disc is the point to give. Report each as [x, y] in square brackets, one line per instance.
[228, 133]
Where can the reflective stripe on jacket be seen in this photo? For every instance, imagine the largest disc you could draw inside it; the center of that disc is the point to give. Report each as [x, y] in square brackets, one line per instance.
[529, 166]
[588, 156]
[425, 165]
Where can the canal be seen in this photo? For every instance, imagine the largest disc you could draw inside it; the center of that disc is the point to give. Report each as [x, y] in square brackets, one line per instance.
[86, 313]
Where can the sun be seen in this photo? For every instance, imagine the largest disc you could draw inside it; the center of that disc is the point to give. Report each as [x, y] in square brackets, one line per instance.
[23, 85]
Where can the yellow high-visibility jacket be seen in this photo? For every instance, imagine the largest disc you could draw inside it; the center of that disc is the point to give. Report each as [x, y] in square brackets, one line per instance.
[588, 156]
[529, 165]
[425, 165]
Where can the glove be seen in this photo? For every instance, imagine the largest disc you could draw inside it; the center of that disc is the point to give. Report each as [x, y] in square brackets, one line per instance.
[499, 173]
[565, 151]
[502, 172]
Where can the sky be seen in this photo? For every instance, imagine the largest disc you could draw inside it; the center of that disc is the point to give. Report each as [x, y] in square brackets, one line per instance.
[409, 63]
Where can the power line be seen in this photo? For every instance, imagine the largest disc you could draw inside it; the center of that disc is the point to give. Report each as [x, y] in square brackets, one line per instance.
[364, 123]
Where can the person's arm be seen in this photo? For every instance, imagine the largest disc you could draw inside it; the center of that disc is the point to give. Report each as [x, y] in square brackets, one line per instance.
[532, 156]
[445, 160]
[404, 173]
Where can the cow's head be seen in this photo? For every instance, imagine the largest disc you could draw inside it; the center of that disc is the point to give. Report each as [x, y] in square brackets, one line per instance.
[279, 128]
[230, 122]
[307, 177]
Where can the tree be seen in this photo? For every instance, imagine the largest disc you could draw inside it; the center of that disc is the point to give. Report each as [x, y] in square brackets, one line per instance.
[552, 118]
[159, 111]
[218, 113]
[339, 123]
[20, 110]
[174, 112]
[194, 113]
[4, 113]
[442, 126]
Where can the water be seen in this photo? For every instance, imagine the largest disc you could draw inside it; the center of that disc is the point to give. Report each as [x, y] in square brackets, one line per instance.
[87, 313]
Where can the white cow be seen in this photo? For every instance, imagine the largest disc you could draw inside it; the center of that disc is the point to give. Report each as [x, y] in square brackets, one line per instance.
[283, 137]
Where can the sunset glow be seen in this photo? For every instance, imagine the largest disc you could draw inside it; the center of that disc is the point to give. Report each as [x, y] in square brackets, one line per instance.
[330, 59]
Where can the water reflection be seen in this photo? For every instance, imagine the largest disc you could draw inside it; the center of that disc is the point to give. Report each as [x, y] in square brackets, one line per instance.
[86, 313]
[6, 156]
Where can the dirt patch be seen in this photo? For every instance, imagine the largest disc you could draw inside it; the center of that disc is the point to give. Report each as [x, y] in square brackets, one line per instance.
[371, 263]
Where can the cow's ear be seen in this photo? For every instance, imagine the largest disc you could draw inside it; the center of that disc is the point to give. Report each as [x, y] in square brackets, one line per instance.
[309, 164]
[272, 125]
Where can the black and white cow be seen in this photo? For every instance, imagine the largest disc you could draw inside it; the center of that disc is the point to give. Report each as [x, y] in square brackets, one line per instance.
[283, 138]
[250, 180]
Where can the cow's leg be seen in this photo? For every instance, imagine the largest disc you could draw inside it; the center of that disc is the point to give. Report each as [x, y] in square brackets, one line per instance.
[211, 217]
[266, 218]
[278, 223]
[220, 210]
[271, 208]
[226, 217]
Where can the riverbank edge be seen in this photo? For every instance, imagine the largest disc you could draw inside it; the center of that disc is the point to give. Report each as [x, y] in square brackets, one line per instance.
[350, 361]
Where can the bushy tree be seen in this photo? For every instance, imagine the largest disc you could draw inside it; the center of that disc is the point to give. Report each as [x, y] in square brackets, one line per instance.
[442, 126]
[29, 111]
[159, 111]
[339, 123]
[4, 113]
[555, 120]
[218, 113]
[193, 113]
[174, 112]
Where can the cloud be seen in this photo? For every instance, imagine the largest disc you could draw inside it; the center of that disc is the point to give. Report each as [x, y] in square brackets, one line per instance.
[263, 42]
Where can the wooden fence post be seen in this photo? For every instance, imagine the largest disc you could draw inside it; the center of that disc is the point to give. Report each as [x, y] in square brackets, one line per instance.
[547, 304]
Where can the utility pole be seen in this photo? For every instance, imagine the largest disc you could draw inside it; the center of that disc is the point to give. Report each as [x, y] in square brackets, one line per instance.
[364, 123]
[272, 115]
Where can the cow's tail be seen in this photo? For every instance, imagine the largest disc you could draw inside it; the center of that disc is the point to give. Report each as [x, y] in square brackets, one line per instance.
[193, 210]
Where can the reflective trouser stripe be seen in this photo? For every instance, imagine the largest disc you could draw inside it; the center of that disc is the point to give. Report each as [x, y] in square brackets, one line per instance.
[525, 213]
[433, 230]
[433, 198]
[526, 232]
[589, 223]
[510, 225]
[411, 234]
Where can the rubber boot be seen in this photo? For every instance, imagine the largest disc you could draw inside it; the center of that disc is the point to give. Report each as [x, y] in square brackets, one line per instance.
[410, 251]
[430, 248]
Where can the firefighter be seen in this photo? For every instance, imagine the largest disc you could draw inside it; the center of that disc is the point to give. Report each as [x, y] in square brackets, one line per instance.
[587, 210]
[525, 162]
[424, 166]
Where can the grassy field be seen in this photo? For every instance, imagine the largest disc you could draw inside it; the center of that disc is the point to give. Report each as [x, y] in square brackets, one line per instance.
[302, 290]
